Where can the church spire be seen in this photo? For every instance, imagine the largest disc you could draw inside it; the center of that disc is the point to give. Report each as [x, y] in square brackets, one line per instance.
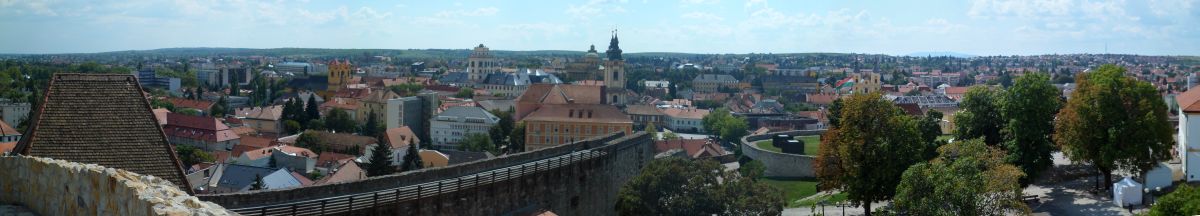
[614, 51]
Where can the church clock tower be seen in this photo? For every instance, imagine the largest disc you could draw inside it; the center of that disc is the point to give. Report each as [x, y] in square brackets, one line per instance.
[614, 73]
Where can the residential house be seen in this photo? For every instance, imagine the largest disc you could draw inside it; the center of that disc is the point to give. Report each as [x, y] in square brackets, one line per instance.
[235, 178]
[646, 114]
[329, 161]
[433, 158]
[345, 172]
[198, 105]
[8, 133]
[205, 133]
[1189, 134]
[285, 156]
[687, 120]
[262, 119]
[375, 102]
[450, 127]
[553, 125]
[398, 140]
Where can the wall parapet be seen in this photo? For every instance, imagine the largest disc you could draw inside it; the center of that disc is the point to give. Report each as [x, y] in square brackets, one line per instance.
[57, 187]
[780, 164]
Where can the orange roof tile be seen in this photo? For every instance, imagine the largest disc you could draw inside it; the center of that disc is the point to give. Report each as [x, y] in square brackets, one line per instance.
[1189, 101]
[579, 113]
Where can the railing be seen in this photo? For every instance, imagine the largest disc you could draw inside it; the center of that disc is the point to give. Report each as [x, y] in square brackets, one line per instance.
[368, 200]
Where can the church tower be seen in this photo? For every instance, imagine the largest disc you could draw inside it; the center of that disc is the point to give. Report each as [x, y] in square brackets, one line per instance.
[339, 75]
[614, 73]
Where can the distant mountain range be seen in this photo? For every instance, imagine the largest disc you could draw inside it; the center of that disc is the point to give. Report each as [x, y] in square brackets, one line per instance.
[937, 54]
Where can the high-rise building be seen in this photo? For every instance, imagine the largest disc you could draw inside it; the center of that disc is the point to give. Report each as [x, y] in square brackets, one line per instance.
[481, 63]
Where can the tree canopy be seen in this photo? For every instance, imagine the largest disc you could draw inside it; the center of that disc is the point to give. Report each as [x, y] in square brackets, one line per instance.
[865, 154]
[1028, 108]
[380, 161]
[678, 186]
[1185, 200]
[980, 116]
[968, 178]
[1114, 122]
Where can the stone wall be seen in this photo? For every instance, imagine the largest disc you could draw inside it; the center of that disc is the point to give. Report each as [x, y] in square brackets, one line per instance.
[588, 187]
[57, 187]
[780, 164]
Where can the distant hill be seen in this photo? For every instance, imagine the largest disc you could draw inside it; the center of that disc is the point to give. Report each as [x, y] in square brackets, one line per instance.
[938, 54]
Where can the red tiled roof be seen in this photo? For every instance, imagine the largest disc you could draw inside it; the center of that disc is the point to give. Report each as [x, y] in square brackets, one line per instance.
[304, 181]
[579, 113]
[327, 158]
[193, 104]
[1189, 101]
[268, 113]
[401, 137]
[197, 128]
[822, 99]
[561, 94]
[243, 130]
[695, 148]
[104, 120]
[690, 113]
[7, 130]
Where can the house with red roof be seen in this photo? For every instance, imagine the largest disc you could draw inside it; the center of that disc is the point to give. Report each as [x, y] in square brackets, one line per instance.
[695, 148]
[206, 133]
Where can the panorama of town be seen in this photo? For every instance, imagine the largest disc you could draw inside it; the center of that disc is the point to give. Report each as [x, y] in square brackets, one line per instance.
[481, 129]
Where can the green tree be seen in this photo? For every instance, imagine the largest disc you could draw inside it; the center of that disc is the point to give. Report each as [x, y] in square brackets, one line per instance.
[465, 93]
[835, 112]
[339, 120]
[499, 132]
[650, 129]
[722, 123]
[233, 85]
[191, 155]
[412, 160]
[1185, 200]
[980, 116]
[292, 126]
[310, 141]
[310, 109]
[258, 183]
[1114, 122]
[865, 154]
[1029, 107]
[969, 178]
[371, 127]
[931, 128]
[670, 136]
[516, 139]
[677, 186]
[380, 161]
[477, 142]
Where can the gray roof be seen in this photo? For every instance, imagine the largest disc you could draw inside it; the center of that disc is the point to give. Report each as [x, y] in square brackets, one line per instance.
[715, 78]
[522, 77]
[454, 77]
[241, 176]
[502, 105]
[468, 112]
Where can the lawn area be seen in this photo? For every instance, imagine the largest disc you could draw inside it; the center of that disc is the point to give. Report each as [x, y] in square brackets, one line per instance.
[793, 189]
[811, 143]
[829, 200]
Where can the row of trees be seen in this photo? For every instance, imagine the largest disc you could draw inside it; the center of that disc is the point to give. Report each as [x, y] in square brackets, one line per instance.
[873, 152]
[678, 186]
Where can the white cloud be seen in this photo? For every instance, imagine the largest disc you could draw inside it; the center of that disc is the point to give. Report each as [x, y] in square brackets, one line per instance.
[702, 16]
[700, 1]
[594, 8]
[483, 11]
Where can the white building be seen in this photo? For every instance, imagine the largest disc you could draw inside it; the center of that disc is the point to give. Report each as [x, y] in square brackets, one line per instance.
[686, 120]
[453, 125]
[13, 112]
[1189, 133]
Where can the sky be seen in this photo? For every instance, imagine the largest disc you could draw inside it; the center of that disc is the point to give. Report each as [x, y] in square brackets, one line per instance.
[978, 27]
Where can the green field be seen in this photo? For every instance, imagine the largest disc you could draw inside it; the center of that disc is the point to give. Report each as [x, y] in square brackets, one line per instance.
[811, 144]
[796, 189]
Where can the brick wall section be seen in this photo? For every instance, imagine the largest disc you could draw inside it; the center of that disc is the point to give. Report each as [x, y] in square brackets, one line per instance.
[781, 164]
[57, 187]
[588, 187]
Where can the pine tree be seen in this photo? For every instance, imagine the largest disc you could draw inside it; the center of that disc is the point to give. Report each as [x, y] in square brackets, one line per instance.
[380, 162]
[311, 109]
[372, 126]
[412, 161]
[258, 183]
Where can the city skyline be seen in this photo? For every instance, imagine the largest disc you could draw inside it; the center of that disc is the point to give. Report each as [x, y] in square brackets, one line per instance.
[977, 27]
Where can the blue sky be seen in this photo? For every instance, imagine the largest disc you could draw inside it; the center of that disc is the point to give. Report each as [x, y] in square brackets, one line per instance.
[981, 27]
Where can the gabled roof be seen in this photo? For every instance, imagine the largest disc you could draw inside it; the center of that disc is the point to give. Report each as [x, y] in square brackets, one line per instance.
[7, 130]
[1189, 101]
[269, 113]
[198, 128]
[562, 94]
[103, 120]
[193, 104]
[579, 113]
[347, 172]
[401, 137]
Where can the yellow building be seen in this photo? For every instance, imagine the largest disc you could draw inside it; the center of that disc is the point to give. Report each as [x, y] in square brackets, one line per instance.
[339, 75]
[553, 125]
